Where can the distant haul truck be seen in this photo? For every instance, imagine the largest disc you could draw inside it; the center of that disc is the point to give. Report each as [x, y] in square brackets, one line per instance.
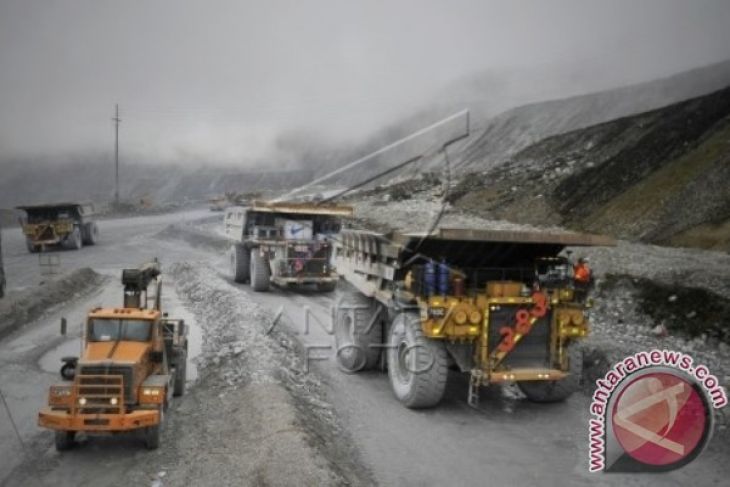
[500, 306]
[133, 363]
[284, 243]
[70, 225]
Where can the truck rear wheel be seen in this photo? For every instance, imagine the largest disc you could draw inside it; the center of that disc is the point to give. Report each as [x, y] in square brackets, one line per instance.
[90, 234]
[259, 272]
[181, 373]
[64, 440]
[358, 331]
[240, 268]
[557, 390]
[418, 367]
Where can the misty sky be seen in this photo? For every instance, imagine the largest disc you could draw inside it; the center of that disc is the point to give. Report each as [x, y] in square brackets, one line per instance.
[221, 80]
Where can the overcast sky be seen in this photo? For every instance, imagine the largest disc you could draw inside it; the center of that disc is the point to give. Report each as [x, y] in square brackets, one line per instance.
[221, 80]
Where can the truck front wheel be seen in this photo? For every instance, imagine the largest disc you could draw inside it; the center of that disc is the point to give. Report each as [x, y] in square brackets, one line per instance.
[64, 440]
[239, 263]
[557, 390]
[358, 331]
[152, 433]
[417, 366]
[259, 272]
[181, 369]
[73, 240]
[32, 248]
[90, 234]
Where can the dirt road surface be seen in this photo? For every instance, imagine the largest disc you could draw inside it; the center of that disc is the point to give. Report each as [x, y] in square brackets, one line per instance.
[349, 427]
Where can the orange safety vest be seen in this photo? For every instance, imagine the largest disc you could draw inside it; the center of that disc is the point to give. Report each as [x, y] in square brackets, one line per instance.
[582, 273]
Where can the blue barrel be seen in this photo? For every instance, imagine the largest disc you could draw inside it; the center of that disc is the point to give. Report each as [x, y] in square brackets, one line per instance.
[429, 278]
[443, 278]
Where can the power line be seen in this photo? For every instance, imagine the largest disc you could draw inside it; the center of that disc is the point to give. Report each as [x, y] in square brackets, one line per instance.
[116, 121]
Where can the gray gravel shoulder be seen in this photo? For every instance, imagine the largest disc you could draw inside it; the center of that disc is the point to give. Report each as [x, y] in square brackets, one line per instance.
[254, 417]
[21, 307]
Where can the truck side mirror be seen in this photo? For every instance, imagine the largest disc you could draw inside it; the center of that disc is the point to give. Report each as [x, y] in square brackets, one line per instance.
[64, 325]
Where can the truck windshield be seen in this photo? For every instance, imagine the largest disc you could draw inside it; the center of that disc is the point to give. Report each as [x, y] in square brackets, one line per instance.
[108, 330]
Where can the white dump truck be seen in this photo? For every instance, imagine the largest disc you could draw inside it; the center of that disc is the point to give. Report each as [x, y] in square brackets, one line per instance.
[284, 243]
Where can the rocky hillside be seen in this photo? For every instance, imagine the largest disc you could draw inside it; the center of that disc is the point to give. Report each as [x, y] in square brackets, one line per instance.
[501, 137]
[661, 176]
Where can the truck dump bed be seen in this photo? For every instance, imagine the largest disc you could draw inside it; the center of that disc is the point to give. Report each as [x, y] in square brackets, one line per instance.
[301, 208]
[492, 248]
[372, 261]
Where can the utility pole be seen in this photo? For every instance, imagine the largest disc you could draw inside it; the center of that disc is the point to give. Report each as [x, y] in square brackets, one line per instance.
[116, 121]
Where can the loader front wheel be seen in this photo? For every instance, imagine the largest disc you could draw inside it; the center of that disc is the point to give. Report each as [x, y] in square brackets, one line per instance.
[152, 433]
[181, 372]
[240, 269]
[64, 440]
[259, 272]
[418, 367]
[557, 390]
[358, 331]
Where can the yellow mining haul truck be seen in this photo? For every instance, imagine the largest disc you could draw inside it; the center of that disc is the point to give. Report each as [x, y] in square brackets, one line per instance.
[70, 225]
[500, 306]
[133, 363]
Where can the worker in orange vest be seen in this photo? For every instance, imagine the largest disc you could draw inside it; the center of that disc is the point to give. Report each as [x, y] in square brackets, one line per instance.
[581, 271]
[583, 278]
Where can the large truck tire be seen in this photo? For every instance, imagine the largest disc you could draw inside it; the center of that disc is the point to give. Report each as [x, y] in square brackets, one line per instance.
[90, 234]
[240, 267]
[259, 272]
[181, 373]
[557, 390]
[32, 248]
[418, 367]
[74, 240]
[152, 433]
[358, 329]
[64, 440]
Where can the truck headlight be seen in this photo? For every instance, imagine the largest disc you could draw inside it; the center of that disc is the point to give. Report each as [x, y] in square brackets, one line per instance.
[151, 395]
[113, 401]
[82, 401]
